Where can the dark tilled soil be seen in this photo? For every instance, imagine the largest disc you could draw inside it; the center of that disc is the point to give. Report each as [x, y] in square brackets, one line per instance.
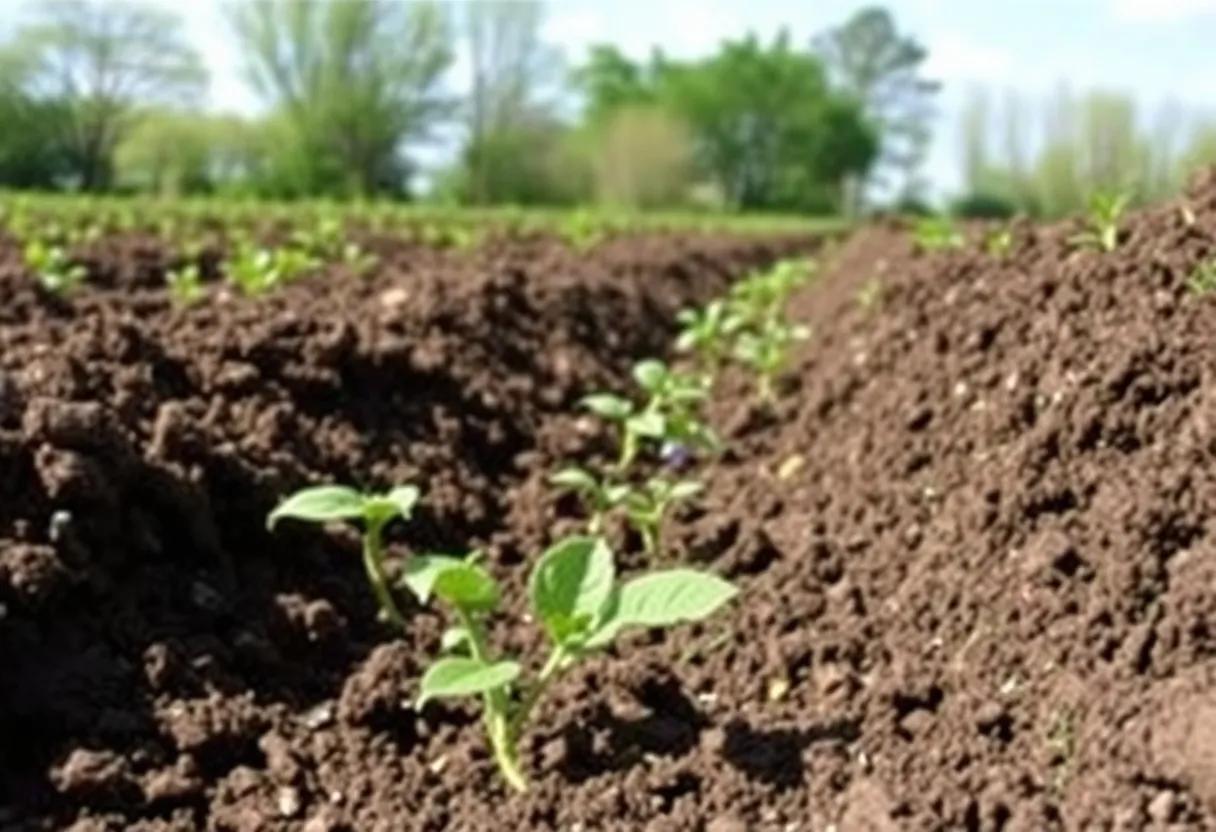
[979, 589]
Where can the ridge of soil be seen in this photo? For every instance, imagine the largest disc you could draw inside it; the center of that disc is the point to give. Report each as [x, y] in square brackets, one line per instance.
[979, 583]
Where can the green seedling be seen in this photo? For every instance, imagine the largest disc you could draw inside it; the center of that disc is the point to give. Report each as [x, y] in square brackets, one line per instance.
[1203, 279]
[648, 506]
[762, 297]
[258, 270]
[937, 234]
[185, 283]
[999, 242]
[599, 497]
[767, 353]
[1102, 222]
[669, 417]
[53, 268]
[330, 503]
[576, 598]
[708, 333]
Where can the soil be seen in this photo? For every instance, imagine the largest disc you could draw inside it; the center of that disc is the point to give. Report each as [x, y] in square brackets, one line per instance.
[979, 587]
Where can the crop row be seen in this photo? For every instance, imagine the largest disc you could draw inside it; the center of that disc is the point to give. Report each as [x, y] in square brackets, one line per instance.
[573, 591]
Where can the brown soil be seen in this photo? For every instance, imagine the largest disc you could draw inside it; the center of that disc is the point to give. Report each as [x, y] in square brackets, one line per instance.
[979, 585]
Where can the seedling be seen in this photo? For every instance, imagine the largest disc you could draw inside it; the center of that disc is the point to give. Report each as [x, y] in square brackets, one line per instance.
[185, 283]
[668, 418]
[258, 270]
[648, 506]
[576, 598]
[762, 296]
[937, 234]
[1203, 279]
[598, 496]
[1102, 223]
[999, 242]
[708, 332]
[329, 503]
[767, 352]
[52, 267]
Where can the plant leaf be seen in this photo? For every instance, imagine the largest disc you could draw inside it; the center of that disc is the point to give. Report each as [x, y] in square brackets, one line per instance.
[453, 638]
[463, 676]
[570, 584]
[399, 502]
[663, 599]
[320, 504]
[650, 374]
[574, 479]
[468, 587]
[608, 406]
[651, 425]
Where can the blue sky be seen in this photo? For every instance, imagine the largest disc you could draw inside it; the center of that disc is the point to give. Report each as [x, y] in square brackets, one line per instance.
[1162, 51]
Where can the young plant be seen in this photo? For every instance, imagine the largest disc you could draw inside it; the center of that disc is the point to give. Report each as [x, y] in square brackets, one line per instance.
[51, 265]
[258, 270]
[598, 496]
[1102, 223]
[999, 242]
[329, 503]
[767, 352]
[669, 417]
[185, 283]
[708, 333]
[575, 595]
[1203, 279]
[647, 507]
[937, 234]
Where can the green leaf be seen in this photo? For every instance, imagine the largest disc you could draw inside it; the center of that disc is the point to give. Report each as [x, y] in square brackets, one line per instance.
[468, 587]
[685, 489]
[453, 638]
[422, 571]
[651, 425]
[608, 406]
[320, 505]
[459, 582]
[650, 374]
[663, 599]
[574, 479]
[463, 676]
[570, 584]
[399, 502]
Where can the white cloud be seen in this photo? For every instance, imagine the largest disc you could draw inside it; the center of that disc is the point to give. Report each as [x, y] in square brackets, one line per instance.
[1161, 11]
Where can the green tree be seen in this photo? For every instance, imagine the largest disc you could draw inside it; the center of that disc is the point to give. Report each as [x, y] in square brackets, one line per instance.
[643, 158]
[98, 62]
[509, 107]
[767, 129]
[32, 150]
[354, 81]
[870, 59]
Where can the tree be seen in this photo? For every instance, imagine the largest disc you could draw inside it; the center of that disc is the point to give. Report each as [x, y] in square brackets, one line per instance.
[357, 81]
[766, 127]
[869, 59]
[98, 62]
[512, 69]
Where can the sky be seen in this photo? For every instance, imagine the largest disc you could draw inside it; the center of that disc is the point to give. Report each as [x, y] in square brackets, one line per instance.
[1161, 51]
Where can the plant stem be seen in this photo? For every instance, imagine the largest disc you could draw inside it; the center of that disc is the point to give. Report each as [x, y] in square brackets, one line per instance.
[373, 553]
[498, 721]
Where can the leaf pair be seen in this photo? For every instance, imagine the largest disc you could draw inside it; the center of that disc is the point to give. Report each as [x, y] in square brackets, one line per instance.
[328, 503]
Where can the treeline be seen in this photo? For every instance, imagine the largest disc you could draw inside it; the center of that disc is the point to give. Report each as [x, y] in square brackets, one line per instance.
[104, 96]
[1048, 158]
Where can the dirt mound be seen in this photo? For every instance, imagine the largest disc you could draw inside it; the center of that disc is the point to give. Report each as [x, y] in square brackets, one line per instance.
[152, 633]
[979, 585]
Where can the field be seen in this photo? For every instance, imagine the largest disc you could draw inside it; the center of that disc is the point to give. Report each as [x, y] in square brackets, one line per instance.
[977, 585]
